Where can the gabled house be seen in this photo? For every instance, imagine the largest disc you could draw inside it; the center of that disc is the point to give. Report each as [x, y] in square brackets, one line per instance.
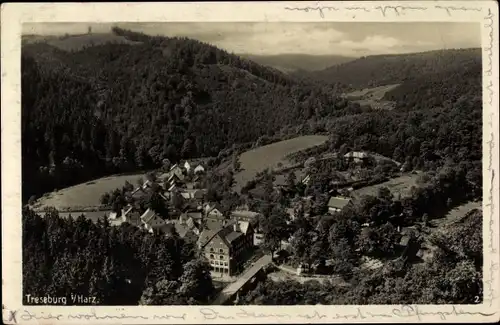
[214, 210]
[357, 156]
[225, 247]
[194, 194]
[138, 193]
[177, 170]
[151, 221]
[175, 179]
[187, 228]
[336, 204]
[245, 215]
[122, 215]
[306, 180]
[195, 215]
[147, 184]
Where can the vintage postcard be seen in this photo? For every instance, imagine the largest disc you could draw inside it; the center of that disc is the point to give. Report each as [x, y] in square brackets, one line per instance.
[265, 162]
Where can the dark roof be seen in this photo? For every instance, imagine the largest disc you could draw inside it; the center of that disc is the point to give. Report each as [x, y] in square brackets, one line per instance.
[194, 215]
[225, 233]
[148, 215]
[250, 215]
[181, 229]
[206, 236]
[404, 240]
[214, 224]
[232, 236]
[166, 228]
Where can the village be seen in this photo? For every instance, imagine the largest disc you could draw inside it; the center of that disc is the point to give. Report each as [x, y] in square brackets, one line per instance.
[230, 239]
[165, 168]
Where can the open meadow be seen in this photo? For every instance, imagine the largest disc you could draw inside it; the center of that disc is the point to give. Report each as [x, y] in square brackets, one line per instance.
[84, 195]
[399, 185]
[271, 155]
[372, 97]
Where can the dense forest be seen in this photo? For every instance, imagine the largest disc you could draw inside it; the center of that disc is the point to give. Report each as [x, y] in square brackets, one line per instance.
[119, 107]
[379, 70]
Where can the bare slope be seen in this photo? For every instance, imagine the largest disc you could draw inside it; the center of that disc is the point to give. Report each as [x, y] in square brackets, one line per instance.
[268, 156]
[84, 195]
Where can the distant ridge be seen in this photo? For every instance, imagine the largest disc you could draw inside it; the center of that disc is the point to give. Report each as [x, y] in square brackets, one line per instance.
[381, 70]
[297, 62]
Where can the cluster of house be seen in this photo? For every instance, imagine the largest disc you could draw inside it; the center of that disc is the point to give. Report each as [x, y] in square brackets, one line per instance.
[225, 238]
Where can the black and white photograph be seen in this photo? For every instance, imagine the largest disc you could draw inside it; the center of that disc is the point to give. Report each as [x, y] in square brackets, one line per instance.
[251, 163]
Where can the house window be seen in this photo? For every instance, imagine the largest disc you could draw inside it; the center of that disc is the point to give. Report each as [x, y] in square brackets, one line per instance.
[221, 257]
[221, 250]
[211, 249]
[212, 256]
[225, 263]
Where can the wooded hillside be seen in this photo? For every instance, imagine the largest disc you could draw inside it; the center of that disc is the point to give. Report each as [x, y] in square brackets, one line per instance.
[118, 107]
[379, 70]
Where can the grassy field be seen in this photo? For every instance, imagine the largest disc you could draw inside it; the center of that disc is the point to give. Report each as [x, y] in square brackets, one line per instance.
[269, 156]
[372, 96]
[399, 185]
[85, 194]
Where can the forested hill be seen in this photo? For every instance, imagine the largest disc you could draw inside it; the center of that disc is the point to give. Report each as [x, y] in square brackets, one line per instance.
[380, 70]
[440, 89]
[109, 107]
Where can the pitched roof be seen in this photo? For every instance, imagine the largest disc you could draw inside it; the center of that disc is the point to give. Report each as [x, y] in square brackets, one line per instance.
[244, 226]
[148, 215]
[206, 236]
[166, 228]
[245, 214]
[164, 176]
[194, 215]
[356, 154]
[232, 236]
[184, 229]
[337, 202]
[306, 179]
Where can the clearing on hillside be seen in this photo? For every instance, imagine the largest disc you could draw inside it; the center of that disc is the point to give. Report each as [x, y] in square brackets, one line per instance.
[399, 185]
[372, 97]
[85, 195]
[269, 156]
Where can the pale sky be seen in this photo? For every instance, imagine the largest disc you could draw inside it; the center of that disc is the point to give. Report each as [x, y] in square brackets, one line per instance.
[322, 38]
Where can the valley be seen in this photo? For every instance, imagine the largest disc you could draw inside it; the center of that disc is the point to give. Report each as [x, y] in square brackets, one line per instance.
[206, 177]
